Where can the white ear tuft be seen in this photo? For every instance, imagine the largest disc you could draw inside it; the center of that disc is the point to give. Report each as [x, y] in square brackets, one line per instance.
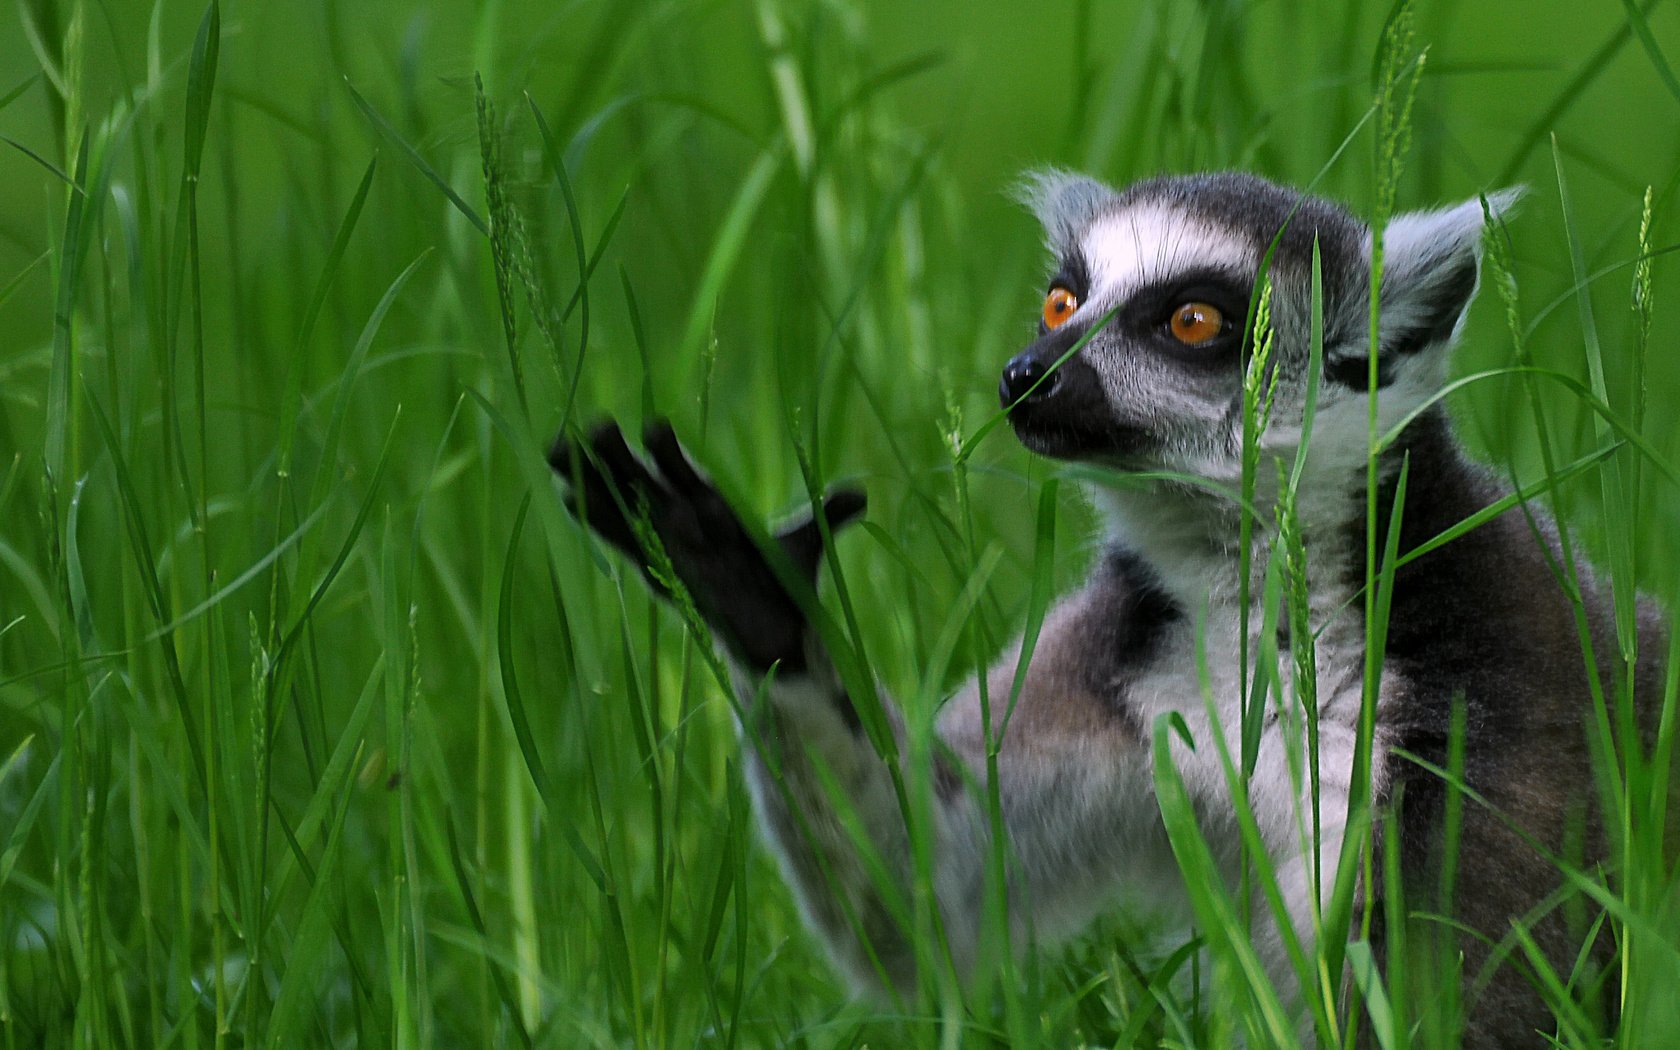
[1431, 261]
[1064, 201]
[1416, 241]
[1502, 204]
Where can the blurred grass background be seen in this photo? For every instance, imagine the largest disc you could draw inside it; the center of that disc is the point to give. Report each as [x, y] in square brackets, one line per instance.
[312, 737]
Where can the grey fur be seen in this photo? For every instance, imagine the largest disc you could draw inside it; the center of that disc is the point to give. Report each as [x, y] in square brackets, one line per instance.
[1064, 201]
[1482, 619]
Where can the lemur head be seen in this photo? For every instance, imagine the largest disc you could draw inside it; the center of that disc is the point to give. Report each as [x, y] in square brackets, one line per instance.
[1175, 259]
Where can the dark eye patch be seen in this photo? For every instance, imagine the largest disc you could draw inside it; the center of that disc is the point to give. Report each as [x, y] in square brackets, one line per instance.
[1145, 314]
[1073, 275]
[1150, 307]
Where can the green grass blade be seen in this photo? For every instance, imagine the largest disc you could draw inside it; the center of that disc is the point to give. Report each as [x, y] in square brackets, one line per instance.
[1611, 481]
[201, 84]
[1038, 600]
[17, 756]
[727, 248]
[504, 650]
[504, 229]
[1642, 29]
[18, 836]
[639, 337]
[1366, 977]
[60, 421]
[301, 977]
[16, 93]
[11, 286]
[1571, 93]
[301, 623]
[140, 546]
[53, 169]
[1216, 913]
[1506, 502]
[234, 585]
[463, 885]
[336, 777]
[293, 395]
[326, 473]
[585, 265]
[381, 125]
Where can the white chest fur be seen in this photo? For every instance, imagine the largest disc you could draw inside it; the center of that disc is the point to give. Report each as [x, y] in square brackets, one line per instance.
[1297, 783]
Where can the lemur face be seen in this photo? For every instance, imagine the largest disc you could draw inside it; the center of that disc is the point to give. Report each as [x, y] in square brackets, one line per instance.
[1171, 265]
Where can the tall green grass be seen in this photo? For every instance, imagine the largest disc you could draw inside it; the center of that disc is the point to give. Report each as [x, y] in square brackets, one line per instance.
[321, 723]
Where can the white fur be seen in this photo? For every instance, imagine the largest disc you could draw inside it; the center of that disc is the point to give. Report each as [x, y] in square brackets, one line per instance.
[1140, 245]
[1204, 579]
[1064, 202]
[1416, 242]
[1084, 827]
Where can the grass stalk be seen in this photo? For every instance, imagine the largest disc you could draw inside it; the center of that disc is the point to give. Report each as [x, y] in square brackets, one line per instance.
[438, 778]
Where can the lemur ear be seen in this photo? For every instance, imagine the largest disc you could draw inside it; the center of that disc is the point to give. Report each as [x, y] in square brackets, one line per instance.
[1064, 201]
[1431, 261]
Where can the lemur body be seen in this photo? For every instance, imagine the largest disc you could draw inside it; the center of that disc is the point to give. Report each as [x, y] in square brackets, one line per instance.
[1157, 628]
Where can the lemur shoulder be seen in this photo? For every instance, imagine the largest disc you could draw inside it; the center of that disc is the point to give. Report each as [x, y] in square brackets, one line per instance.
[1165, 271]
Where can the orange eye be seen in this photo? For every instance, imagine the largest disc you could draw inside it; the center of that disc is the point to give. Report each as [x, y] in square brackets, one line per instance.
[1195, 323]
[1059, 305]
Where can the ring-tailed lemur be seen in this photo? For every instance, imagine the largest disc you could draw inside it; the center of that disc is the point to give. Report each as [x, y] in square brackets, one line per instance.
[1171, 264]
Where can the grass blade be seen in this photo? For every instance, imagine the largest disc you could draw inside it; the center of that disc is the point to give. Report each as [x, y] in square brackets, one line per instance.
[505, 233]
[384, 128]
[325, 472]
[504, 651]
[463, 885]
[727, 247]
[291, 399]
[1642, 29]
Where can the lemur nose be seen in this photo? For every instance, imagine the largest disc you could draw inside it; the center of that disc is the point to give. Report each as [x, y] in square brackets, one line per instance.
[1019, 375]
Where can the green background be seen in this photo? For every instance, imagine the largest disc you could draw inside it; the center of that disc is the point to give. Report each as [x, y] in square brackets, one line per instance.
[817, 242]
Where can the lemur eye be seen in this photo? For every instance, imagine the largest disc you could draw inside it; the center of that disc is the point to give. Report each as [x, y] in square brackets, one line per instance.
[1193, 323]
[1059, 305]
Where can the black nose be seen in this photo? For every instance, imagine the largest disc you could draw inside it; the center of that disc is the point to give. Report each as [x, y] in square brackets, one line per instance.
[1019, 375]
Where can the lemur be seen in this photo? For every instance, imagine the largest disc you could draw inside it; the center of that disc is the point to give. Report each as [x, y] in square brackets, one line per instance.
[1156, 281]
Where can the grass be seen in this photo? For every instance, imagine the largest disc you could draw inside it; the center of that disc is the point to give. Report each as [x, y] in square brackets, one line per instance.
[321, 723]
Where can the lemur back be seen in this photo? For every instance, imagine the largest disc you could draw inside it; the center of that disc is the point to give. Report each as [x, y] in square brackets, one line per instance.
[1143, 348]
